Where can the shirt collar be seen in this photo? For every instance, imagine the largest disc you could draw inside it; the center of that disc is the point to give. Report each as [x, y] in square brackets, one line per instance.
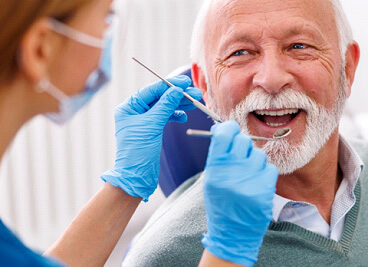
[350, 164]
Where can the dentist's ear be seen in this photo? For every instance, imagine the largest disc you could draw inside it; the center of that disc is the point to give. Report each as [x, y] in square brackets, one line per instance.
[352, 59]
[199, 81]
[35, 50]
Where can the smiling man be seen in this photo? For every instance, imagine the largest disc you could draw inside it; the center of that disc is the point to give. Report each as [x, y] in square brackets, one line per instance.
[269, 64]
[274, 64]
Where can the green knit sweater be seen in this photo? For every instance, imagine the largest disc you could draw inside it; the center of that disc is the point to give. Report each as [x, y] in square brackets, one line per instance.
[172, 237]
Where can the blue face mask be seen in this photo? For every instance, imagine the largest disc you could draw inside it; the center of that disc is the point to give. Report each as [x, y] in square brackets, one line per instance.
[69, 105]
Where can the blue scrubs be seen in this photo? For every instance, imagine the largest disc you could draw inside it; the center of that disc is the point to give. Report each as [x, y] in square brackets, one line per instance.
[14, 253]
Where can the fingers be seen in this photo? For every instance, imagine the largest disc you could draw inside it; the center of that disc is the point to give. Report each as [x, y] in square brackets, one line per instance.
[184, 82]
[179, 116]
[185, 104]
[242, 146]
[228, 139]
[271, 174]
[181, 81]
[258, 159]
[222, 139]
[146, 98]
[151, 93]
[167, 104]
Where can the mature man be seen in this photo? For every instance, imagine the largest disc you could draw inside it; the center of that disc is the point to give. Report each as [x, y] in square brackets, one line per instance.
[270, 64]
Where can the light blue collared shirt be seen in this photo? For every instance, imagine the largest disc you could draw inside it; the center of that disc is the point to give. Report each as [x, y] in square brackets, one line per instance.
[307, 216]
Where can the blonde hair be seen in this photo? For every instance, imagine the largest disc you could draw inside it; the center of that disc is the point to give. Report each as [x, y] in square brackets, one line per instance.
[16, 17]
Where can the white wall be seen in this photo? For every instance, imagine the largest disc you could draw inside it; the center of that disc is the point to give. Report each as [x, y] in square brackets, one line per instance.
[50, 172]
[356, 11]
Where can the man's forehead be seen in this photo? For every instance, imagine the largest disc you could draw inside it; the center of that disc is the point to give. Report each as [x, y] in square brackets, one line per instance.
[231, 8]
[242, 14]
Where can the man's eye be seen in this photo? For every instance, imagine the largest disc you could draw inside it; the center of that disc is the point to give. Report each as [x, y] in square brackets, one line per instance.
[240, 53]
[299, 46]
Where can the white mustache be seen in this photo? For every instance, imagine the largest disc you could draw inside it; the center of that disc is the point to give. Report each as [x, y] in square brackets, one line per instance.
[287, 99]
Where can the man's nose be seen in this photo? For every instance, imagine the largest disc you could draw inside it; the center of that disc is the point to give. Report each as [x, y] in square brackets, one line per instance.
[272, 74]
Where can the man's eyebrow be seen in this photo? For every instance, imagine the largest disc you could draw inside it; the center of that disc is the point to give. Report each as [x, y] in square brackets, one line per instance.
[309, 30]
[240, 38]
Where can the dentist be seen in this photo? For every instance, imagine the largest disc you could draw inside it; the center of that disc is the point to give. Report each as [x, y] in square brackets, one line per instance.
[54, 56]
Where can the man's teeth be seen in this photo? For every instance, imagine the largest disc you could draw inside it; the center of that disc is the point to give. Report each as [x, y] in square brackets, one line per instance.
[275, 124]
[276, 113]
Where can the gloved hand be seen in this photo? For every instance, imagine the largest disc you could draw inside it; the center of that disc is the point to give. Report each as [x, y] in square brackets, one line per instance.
[238, 192]
[139, 124]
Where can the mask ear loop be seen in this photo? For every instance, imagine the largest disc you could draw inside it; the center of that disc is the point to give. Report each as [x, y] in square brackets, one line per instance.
[75, 35]
[46, 86]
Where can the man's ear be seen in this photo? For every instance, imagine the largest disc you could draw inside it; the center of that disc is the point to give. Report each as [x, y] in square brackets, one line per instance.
[352, 59]
[35, 50]
[199, 81]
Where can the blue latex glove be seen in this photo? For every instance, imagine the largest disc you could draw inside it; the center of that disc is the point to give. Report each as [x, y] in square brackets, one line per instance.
[139, 124]
[239, 188]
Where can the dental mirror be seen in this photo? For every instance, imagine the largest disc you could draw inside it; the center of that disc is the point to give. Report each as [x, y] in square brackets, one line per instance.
[279, 134]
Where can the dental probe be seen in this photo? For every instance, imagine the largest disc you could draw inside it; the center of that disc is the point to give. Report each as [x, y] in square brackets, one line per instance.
[281, 133]
[195, 102]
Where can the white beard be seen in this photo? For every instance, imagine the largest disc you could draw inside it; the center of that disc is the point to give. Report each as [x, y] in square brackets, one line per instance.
[320, 124]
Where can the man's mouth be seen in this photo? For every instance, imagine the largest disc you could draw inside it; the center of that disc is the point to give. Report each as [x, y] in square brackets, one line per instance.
[276, 118]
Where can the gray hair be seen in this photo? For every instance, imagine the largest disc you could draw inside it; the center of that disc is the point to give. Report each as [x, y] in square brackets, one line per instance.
[197, 48]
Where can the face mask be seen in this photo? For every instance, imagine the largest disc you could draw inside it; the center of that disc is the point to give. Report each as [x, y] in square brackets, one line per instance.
[69, 105]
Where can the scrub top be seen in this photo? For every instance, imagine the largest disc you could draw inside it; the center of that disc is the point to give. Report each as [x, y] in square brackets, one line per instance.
[14, 253]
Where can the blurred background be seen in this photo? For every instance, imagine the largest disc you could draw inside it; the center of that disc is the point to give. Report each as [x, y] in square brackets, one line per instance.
[50, 172]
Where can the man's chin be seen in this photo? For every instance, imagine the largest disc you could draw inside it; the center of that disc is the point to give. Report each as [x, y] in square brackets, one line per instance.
[289, 157]
[286, 157]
